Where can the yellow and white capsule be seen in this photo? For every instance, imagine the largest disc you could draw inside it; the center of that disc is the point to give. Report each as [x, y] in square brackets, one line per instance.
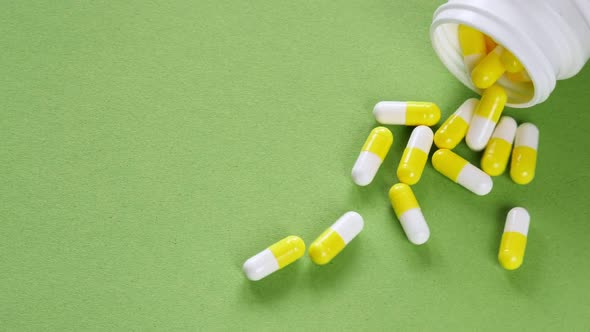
[453, 130]
[274, 258]
[372, 155]
[462, 172]
[524, 154]
[497, 153]
[408, 212]
[486, 115]
[489, 69]
[511, 62]
[415, 155]
[331, 242]
[513, 244]
[473, 46]
[409, 113]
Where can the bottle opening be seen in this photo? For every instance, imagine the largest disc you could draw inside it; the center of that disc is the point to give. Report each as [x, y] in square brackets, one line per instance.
[445, 41]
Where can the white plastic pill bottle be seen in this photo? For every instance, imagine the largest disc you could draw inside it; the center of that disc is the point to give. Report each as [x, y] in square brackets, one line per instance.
[551, 38]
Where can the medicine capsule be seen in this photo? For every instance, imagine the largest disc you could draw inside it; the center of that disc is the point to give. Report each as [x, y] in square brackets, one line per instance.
[513, 244]
[408, 212]
[495, 158]
[510, 62]
[486, 115]
[331, 242]
[453, 130]
[489, 69]
[415, 155]
[462, 172]
[524, 154]
[372, 155]
[409, 113]
[473, 46]
[274, 258]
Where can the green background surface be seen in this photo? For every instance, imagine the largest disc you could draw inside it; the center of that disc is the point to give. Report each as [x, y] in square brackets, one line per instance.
[148, 148]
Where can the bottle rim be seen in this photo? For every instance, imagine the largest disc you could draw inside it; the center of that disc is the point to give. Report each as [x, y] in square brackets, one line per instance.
[445, 41]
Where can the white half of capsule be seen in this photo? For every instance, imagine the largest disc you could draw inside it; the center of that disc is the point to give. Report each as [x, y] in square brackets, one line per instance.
[527, 134]
[390, 112]
[465, 111]
[479, 132]
[421, 138]
[365, 168]
[518, 220]
[348, 226]
[260, 265]
[415, 226]
[475, 180]
[506, 129]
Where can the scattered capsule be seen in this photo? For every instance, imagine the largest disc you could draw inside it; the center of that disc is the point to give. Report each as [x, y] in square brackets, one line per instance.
[409, 113]
[524, 154]
[473, 46]
[513, 244]
[495, 158]
[520, 77]
[485, 117]
[274, 258]
[489, 69]
[331, 242]
[372, 155]
[462, 172]
[490, 43]
[453, 130]
[408, 212]
[415, 155]
[510, 62]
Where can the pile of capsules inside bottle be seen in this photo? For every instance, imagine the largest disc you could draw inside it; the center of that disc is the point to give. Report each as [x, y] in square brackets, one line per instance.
[478, 121]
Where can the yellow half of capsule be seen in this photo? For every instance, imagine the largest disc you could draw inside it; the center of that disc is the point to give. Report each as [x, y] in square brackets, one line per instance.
[495, 158]
[512, 248]
[452, 131]
[471, 40]
[448, 163]
[524, 162]
[288, 250]
[379, 142]
[422, 113]
[490, 43]
[326, 247]
[510, 62]
[519, 77]
[411, 165]
[492, 103]
[488, 70]
[402, 198]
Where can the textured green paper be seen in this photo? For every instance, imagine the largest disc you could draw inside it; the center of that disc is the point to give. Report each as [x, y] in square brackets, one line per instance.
[148, 148]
